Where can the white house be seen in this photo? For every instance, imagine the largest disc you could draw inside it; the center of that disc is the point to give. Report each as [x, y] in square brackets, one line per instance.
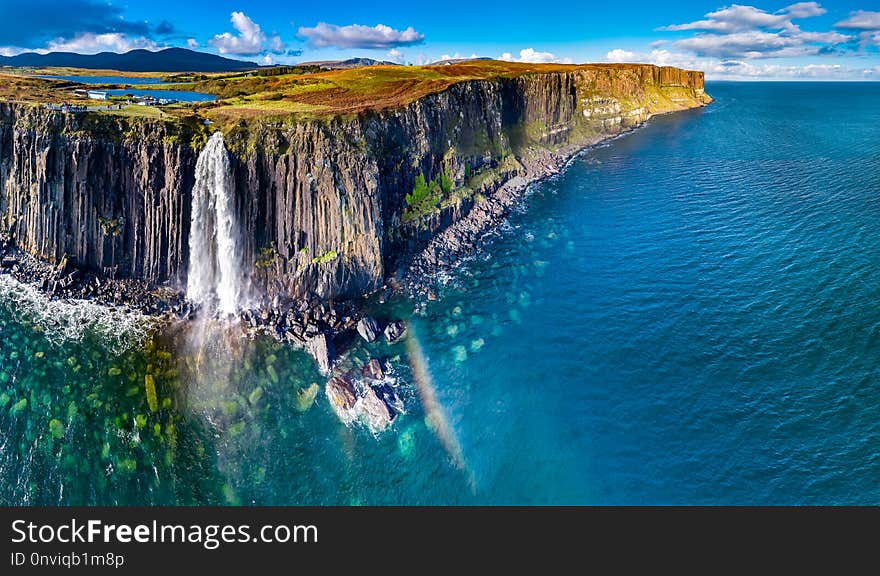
[97, 95]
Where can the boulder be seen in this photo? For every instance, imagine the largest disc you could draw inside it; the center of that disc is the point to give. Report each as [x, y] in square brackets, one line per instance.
[395, 330]
[340, 392]
[376, 413]
[373, 370]
[320, 346]
[368, 328]
[388, 395]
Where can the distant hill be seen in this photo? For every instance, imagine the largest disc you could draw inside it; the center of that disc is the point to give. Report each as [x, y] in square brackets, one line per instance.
[457, 61]
[350, 63]
[168, 60]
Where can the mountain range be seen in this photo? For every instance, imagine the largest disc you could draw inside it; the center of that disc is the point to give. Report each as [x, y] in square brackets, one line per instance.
[167, 60]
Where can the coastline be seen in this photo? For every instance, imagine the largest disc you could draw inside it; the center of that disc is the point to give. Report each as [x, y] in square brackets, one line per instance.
[300, 323]
[475, 230]
[324, 329]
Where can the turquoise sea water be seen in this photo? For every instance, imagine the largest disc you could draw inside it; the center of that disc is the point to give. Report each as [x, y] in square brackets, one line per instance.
[687, 316]
[181, 95]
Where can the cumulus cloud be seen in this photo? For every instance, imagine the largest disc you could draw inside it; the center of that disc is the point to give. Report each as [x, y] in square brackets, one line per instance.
[747, 32]
[532, 56]
[617, 55]
[760, 44]
[89, 43]
[736, 18]
[192, 43]
[250, 40]
[379, 37]
[866, 23]
[395, 55]
[34, 22]
[742, 69]
[85, 26]
[457, 56]
[861, 20]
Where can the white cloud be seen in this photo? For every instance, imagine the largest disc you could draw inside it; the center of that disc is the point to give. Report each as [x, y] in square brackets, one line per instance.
[192, 43]
[861, 20]
[747, 32]
[267, 60]
[752, 44]
[379, 37]
[736, 18]
[618, 55]
[249, 41]
[13, 50]
[741, 69]
[276, 45]
[88, 43]
[531, 56]
[395, 55]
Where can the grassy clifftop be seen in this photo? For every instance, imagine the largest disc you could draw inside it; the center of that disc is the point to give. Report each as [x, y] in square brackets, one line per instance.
[308, 92]
[330, 93]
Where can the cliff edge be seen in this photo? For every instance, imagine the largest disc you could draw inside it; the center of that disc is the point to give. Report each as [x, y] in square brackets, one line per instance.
[330, 205]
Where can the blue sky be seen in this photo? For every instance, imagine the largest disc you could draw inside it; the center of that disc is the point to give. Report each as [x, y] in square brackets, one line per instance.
[761, 40]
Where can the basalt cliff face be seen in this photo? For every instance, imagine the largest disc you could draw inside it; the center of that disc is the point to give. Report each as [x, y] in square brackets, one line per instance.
[329, 208]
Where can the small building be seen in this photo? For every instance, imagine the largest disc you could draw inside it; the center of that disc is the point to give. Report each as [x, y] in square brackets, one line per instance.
[97, 95]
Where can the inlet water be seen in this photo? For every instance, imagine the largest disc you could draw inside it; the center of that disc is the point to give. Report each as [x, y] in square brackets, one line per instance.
[215, 275]
[687, 315]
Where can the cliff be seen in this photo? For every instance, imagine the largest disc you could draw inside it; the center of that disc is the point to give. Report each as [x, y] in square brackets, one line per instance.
[329, 206]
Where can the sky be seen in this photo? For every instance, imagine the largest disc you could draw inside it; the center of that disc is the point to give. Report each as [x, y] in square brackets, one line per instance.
[750, 41]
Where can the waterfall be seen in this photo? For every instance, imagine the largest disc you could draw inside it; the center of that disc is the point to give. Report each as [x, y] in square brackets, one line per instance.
[215, 277]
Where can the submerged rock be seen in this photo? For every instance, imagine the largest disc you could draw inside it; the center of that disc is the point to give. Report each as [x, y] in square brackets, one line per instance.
[368, 328]
[305, 397]
[395, 330]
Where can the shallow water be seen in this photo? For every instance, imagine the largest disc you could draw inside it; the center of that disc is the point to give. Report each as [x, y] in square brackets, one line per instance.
[180, 95]
[687, 315]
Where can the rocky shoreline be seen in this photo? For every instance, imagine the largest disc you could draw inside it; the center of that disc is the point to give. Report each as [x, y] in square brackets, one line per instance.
[476, 229]
[323, 329]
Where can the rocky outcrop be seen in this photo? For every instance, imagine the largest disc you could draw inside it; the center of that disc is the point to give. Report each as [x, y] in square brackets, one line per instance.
[368, 328]
[370, 399]
[394, 331]
[329, 208]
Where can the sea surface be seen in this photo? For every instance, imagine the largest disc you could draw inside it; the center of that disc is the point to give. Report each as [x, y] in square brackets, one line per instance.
[687, 315]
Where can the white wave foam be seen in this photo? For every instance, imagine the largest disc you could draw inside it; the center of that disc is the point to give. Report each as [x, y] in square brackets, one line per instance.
[70, 320]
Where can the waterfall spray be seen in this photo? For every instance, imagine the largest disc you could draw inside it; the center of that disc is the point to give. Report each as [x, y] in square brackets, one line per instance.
[215, 279]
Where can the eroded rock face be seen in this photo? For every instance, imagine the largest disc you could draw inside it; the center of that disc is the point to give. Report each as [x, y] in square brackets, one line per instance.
[373, 370]
[376, 413]
[368, 329]
[320, 346]
[341, 393]
[321, 203]
[394, 331]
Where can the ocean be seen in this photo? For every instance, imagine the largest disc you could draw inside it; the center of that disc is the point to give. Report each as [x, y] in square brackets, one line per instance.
[686, 315]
